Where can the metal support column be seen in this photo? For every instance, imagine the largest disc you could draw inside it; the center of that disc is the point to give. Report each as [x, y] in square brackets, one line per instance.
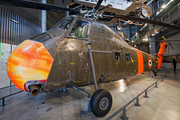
[169, 18]
[2, 102]
[92, 66]
[43, 18]
[67, 12]
[124, 117]
[146, 94]
[178, 11]
[156, 85]
[137, 101]
[87, 107]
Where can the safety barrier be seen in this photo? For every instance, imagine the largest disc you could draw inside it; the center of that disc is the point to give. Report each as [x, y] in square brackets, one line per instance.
[124, 117]
[3, 98]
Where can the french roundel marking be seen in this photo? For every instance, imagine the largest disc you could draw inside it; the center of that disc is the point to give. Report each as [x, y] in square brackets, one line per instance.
[150, 62]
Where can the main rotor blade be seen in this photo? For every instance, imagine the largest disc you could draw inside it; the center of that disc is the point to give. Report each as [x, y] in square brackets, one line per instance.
[98, 4]
[147, 21]
[36, 5]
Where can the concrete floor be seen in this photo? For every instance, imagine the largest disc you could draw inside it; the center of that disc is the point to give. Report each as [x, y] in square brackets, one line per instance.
[162, 104]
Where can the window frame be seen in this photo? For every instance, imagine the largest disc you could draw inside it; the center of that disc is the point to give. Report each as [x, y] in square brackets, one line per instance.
[129, 56]
[119, 56]
[57, 25]
[89, 29]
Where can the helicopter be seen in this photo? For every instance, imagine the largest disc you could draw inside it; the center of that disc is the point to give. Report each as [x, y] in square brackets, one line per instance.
[76, 52]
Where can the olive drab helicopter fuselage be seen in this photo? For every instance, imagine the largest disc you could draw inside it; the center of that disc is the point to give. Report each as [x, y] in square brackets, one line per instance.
[76, 52]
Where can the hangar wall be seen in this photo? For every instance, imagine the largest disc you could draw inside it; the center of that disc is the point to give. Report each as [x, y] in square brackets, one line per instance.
[17, 26]
[13, 30]
[32, 15]
[176, 51]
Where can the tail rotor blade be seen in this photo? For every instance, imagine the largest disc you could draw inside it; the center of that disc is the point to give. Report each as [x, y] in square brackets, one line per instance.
[171, 46]
[168, 49]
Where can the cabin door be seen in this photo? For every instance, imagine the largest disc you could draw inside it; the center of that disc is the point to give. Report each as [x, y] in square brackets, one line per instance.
[107, 66]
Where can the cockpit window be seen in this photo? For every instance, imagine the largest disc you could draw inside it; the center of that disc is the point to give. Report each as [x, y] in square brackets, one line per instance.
[80, 29]
[64, 23]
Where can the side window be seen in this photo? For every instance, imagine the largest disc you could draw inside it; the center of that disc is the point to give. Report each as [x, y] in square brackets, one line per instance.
[127, 57]
[117, 56]
[80, 29]
[65, 23]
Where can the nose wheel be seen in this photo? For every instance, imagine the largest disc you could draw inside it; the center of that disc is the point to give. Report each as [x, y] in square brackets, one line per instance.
[101, 102]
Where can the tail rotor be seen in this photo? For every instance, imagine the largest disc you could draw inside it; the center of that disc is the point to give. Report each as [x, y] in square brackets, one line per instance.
[168, 44]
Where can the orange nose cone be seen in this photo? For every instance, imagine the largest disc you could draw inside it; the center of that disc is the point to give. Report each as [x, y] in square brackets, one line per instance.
[29, 61]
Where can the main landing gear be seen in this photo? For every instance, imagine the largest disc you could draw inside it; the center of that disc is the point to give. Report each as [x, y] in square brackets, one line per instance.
[100, 103]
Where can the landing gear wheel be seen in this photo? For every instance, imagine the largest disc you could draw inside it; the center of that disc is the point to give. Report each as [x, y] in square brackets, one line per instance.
[101, 102]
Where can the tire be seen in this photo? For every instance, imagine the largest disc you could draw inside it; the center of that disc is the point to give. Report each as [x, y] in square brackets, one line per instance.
[101, 102]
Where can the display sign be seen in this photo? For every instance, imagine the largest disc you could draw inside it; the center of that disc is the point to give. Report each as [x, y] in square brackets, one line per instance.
[118, 4]
[5, 50]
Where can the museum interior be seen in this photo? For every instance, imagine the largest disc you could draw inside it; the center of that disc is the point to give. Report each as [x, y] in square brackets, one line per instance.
[89, 59]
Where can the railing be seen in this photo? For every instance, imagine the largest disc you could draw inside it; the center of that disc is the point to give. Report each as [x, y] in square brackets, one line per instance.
[123, 109]
[3, 98]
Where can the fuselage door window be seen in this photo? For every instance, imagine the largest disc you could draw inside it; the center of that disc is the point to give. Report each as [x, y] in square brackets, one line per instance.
[117, 56]
[80, 29]
[127, 57]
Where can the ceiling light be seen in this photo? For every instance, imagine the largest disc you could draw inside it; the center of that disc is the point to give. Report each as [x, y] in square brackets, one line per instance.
[169, 2]
[145, 39]
[157, 13]
[153, 34]
[164, 6]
